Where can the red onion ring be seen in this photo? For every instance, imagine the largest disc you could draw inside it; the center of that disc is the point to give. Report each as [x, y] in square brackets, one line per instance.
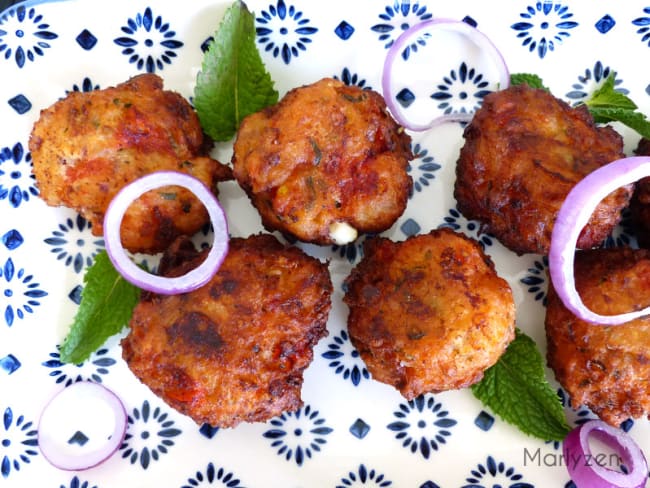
[412, 36]
[583, 466]
[141, 278]
[81, 426]
[574, 214]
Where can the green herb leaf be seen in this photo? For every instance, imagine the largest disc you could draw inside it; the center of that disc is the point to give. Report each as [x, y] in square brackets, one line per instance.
[606, 96]
[633, 119]
[107, 303]
[515, 388]
[533, 81]
[608, 105]
[233, 81]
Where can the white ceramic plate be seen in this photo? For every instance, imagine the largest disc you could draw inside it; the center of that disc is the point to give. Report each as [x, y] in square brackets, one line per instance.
[352, 431]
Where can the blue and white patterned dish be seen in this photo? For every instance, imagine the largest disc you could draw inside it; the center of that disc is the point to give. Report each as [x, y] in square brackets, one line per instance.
[352, 431]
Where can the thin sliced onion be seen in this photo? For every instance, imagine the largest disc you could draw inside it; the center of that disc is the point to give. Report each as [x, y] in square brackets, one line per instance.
[574, 214]
[394, 64]
[584, 468]
[195, 278]
[81, 426]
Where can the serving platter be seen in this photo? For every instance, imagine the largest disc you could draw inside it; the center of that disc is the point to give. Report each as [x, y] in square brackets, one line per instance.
[352, 430]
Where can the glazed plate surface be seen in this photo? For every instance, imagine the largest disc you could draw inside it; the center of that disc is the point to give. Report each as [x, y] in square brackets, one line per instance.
[351, 431]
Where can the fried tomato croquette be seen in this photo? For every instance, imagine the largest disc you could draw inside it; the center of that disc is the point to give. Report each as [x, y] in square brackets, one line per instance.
[524, 151]
[234, 350]
[430, 313]
[606, 368]
[640, 203]
[87, 146]
[325, 163]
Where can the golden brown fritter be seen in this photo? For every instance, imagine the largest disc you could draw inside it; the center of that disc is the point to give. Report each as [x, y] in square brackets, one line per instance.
[328, 157]
[428, 314]
[606, 368]
[640, 203]
[234, 350]
[88, 145]
[524, 150]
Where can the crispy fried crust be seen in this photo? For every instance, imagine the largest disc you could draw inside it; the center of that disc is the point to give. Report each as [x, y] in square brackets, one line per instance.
[524, 151]
[430, 313]
[640, 203]
[88, 145]
[606, 368]
[326, 153]
[234, 350]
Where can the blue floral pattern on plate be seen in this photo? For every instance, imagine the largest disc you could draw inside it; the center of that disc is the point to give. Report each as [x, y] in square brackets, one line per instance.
[536, 279]
[643, 24]
[17, 442]
[75, 482]
[149, 43]
[86, 85]
[149, 436]
[544, 25]
[284, 31]
[470, 88]
[456, 221]
[93, 369]
[366, 477]
[74, 244]
[494, 473]
[397, 18]
[213, 476]
[352, 79]
[17, 183]
[298, 435]
[350, 431]
[422, 168]
[24, 35]
[344, 359]
[423, 425]
[591, 79]
[22, 294]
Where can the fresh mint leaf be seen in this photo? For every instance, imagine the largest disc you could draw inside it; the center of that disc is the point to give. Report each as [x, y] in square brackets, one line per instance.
[533, 81]
[233, 81]
[633, 119]
[606, 96]
[107, 303]
[515, 388]
[608, 105]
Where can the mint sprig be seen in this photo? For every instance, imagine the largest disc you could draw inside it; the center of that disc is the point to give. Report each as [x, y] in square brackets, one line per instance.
[233, 81]
[515, 388]
[532, 80]
[107, 303]
[606, 96]
[608, 105]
